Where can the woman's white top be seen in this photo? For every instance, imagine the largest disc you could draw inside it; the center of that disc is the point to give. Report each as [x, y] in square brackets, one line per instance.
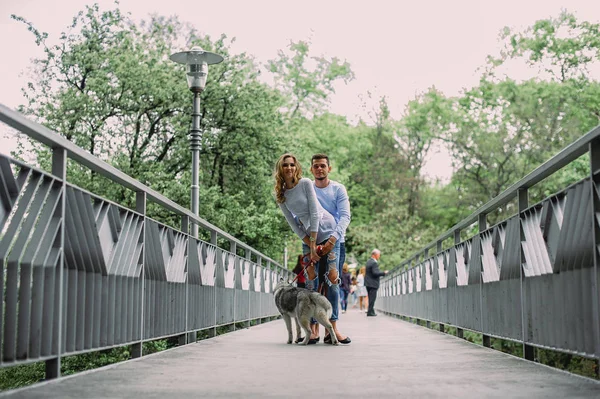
[360, 280]
[304, 213]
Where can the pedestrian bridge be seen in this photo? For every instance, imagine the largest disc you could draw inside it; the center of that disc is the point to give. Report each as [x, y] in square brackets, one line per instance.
[82, 274]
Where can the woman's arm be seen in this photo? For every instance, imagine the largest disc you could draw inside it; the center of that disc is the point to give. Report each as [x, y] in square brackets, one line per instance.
[291, 221]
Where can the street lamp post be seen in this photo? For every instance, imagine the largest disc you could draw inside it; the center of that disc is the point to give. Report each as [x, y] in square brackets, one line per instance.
[197, 61]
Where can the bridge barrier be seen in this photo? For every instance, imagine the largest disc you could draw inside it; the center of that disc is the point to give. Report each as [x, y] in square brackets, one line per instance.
[81, 273]
[532, 278]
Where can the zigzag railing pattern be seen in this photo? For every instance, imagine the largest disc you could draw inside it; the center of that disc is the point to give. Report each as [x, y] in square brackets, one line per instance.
[80, 273]
[532, 278]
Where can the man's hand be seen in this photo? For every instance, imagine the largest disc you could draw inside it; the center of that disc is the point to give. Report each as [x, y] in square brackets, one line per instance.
[386, 271]
[327, 247]
[314, 256]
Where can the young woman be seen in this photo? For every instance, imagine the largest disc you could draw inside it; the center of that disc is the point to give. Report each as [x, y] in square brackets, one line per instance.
[297, 200]
[353, 296]
[361, 289]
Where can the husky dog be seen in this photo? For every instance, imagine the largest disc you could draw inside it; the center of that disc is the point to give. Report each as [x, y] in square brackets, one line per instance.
[302, 304]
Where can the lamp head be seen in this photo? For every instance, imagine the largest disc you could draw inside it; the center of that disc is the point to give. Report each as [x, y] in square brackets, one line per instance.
[197, 61]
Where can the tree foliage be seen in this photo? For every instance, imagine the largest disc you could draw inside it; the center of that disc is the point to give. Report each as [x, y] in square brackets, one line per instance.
[308, 81]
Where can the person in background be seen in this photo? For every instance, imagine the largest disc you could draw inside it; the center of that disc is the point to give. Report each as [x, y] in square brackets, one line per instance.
[299, 270]
[353, 296]
[361, 290]
[345, 287]
[372, 276]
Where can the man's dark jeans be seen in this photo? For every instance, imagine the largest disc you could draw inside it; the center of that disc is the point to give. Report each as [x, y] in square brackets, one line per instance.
[372, 292]
[342, 256]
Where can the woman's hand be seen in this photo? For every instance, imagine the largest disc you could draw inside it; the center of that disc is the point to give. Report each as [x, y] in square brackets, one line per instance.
[314, 257]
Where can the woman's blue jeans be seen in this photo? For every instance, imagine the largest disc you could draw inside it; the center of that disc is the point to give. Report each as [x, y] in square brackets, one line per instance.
[333, 289]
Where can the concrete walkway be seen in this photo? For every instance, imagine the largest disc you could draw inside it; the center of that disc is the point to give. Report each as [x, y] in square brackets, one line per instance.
[388, 358]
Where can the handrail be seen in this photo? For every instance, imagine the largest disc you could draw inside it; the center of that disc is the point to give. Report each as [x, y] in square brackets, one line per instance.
[54, 140]
[558, 161]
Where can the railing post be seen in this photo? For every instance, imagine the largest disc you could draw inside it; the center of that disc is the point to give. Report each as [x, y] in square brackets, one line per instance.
[185, 224]
[528, 350]
[192, 336]
[186, 336]
[213, 241]
[263, 289]
[140, 207]
[594, 150]
[251, 272]
[482, 224]
[460, 333]
[236, 264]
[59, 169]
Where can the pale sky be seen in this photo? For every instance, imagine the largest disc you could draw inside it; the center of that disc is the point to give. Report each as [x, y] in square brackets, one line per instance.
[396, 48]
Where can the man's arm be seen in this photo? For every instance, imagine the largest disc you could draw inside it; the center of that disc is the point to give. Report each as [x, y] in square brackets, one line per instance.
[343, 207]
[375, 270]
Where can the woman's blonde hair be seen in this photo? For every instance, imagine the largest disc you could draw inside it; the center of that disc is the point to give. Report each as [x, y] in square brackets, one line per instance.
[280, 181]
[363, 270]
[345, 268]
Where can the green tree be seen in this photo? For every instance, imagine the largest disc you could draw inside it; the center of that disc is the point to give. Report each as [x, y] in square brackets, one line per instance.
[558, 49]
[308, 81]
[504, 128]
[426, 119]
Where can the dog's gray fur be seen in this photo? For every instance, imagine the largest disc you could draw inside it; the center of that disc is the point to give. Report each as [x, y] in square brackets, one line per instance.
[302, 304]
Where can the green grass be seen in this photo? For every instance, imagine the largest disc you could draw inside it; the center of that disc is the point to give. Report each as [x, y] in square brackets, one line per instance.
[18, 376]
[572, 363]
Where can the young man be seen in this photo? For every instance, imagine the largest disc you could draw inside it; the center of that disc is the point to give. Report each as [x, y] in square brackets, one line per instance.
[333, 197]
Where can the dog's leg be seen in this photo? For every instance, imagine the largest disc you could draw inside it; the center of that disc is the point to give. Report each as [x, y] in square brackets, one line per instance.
[323, 318]
[305, 323]
[288, 324]
[298, 329]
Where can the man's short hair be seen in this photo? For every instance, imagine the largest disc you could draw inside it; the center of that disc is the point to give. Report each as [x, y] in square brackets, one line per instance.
[375, 252]
[319, 156]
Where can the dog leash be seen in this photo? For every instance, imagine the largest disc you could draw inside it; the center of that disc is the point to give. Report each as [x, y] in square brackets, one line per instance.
[319, 249]
[302, 271]
[298, 275]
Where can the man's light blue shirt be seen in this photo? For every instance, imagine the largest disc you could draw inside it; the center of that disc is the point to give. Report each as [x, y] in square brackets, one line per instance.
[334, 199]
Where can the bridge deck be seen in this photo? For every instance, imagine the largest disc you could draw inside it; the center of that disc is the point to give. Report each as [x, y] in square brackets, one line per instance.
[387, 358]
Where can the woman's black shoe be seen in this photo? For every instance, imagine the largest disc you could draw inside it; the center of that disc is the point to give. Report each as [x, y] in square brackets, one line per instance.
[327, 340]
[300, 339]
[313, 341]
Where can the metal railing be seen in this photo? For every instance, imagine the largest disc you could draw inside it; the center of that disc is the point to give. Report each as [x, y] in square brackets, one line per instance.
[81, 273]
[532, 278]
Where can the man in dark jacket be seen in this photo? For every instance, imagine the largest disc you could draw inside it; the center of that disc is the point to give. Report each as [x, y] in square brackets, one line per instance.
[372, 279]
